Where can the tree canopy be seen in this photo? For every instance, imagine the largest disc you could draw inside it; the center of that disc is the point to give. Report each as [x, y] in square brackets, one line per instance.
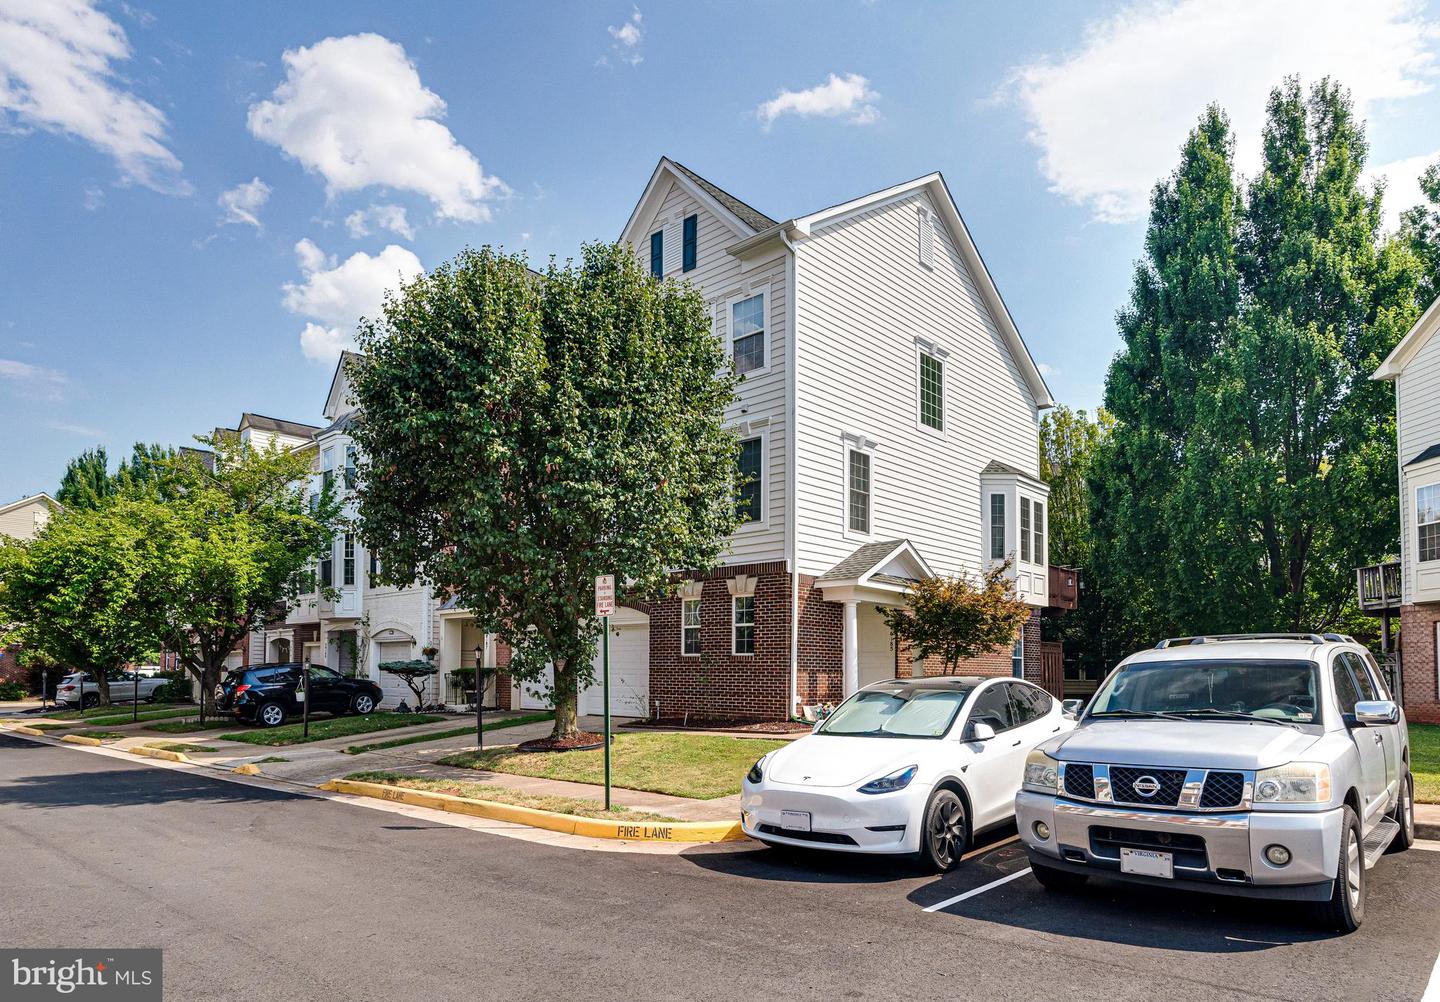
[958, 618]
[523, 433]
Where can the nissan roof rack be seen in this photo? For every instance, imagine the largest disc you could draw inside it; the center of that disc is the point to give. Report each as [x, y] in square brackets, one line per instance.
[1219, 638]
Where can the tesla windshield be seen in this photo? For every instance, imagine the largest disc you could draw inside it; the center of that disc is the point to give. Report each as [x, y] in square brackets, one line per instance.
[897, 713]
[1284, 691]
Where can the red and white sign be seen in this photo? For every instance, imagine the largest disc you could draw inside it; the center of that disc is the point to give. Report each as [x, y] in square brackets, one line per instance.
[604, 596]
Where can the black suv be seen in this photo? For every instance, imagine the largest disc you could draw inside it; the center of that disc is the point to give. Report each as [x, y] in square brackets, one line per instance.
[269, 694]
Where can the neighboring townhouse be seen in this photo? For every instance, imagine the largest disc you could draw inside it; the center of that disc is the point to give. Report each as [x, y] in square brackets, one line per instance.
[22, 519]
[889, 426]
[366, 623]
[1414, 368]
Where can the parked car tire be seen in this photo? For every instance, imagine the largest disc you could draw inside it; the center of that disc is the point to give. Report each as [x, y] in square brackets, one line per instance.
[271, 715]
[91, 699]
[945, 835]
[1057, 880]
[1346, 908]
[363, 703]
[1404, 815]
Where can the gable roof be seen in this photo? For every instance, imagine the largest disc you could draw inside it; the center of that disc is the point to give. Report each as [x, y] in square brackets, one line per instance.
[30, 499]
[346, 357]
[261, 422]
[749, 215]
[868, 563]
[1417, 338]
[740, 217]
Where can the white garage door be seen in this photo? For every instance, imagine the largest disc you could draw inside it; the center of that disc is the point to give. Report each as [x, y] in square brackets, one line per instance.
[629, 674]
[394, 690]
[529, 700]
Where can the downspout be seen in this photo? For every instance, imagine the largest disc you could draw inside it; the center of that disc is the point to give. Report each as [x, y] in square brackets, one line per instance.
[791, 459]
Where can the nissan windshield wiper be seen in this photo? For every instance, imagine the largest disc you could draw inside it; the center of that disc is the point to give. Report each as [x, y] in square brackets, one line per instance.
[1235, 715]
[1146, 714]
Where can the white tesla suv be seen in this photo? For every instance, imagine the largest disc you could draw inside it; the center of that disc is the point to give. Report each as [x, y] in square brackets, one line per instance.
[915, 766]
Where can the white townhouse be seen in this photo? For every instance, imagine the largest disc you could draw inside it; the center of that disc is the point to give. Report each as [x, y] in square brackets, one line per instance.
[1414, 368]
[889, 423]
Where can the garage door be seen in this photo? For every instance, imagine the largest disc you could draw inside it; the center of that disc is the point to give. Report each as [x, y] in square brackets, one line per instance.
[529, 700]
[394, 690]
[629, 675]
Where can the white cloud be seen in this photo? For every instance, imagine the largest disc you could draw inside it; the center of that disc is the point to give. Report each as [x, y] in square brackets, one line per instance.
[83, 430]
[33, 381]
[1110, 116]
[625, 41]
[353, 110]
[242, 203]
[1402, 184]
[363, 222]
[848, 98]
[1047, 370]
[58, 72]
[334, 296]
[94, 199]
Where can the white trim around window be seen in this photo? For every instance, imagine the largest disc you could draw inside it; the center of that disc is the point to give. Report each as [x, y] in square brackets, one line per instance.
[748, 432]
[761, 290]
[925, 348]
[742, 617]
[691, 612]
[857, 446]
[1427, 522]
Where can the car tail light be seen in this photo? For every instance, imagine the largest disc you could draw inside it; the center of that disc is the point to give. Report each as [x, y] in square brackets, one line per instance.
[67, 688]
[239, 689]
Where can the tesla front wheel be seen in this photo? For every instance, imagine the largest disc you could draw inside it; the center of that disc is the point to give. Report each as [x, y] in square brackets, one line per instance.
[946, 833]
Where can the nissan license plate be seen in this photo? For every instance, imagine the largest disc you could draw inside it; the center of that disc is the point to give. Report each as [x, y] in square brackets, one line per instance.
[1147, 862]
[795, 821]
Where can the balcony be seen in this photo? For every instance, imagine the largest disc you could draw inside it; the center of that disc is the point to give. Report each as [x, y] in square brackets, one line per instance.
[1064, 587]
[1378, 587]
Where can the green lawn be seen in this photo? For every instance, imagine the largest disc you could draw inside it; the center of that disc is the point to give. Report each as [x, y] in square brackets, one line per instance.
[180, 746]
[1425, 761]
[505, 795]
[271, 758]
[98, 713]
[702, 766]
[454, 732]
[192, 724]
[48, 725]
[333, 727]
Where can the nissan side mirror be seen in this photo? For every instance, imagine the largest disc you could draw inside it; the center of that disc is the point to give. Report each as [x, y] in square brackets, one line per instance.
[1373, 712]
[980, 731]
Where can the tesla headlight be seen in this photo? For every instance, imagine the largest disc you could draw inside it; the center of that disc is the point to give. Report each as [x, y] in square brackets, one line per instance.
[1296, 783]
[756, 773]
[1042, 773]
[897, 780]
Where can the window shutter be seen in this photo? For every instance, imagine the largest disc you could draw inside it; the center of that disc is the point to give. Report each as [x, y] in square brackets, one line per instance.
[926, 233]
[690, 243]
[657, 253]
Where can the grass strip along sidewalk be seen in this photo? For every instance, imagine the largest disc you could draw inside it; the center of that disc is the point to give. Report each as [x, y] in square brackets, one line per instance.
[515, 798]
[179, 746]
[1425, 761]
[333, 727]
[454, 732]
[193, 724]
[96, 714]
[698, 766]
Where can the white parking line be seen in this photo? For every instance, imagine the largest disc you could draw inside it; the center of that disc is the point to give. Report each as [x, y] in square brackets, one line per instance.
[1432, 990]
[1427, 844]
[939, 905]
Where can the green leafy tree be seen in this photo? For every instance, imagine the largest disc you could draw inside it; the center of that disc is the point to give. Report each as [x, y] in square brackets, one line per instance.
[523, 434]
[84, 592]
[959, 618]
[87, 480]
[415, 674]
[1252, 463]
[1420, 228]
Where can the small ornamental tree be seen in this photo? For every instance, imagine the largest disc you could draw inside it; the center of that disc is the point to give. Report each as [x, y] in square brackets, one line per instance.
[415, 674]
[523, 434]
[958, 618]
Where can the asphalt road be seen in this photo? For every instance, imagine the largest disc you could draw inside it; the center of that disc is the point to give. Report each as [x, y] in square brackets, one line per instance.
[262, 895]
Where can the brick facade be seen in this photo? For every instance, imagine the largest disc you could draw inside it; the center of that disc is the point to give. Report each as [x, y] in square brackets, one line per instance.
[10, 669]
[1418, 662]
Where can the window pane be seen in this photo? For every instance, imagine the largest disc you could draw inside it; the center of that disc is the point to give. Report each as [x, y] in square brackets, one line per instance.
[1025, 529]
[750, 353]
[1345, 692]
[859, 491]
[992, 706]
[690, 626]
[349, 563]
[1427, 504]
[748, 316]
[350, 467]
[750, 475]
[997, 526]
[1039, 533]
[745, 624]
[932, 392]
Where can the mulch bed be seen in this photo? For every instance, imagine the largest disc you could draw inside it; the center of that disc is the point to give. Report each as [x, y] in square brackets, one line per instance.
[722, 724]
[583, 741]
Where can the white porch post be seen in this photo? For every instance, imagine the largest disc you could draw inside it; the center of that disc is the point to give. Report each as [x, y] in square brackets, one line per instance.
[852, 646]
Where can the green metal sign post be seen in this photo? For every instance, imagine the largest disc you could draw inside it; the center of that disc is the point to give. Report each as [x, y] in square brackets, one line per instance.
[604, 609]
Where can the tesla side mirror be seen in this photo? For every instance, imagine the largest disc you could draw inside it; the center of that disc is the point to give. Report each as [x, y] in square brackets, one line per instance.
[1372, 712]
[1072, 707]
[980, 731]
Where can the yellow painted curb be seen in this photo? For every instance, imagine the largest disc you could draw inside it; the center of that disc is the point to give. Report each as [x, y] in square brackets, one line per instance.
[33, 732]
[169, 756]
[77, 739]
[248, 769]
[569, 824]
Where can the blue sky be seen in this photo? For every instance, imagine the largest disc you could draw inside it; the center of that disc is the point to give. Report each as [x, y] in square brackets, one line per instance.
[197, 200]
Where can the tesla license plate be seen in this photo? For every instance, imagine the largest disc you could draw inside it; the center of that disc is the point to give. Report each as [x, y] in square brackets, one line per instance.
[795, 821]
[1147, 862]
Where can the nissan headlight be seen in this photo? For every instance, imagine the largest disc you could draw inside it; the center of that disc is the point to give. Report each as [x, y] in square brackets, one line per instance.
[1042, 773]
[897, 780]
[1296, 783]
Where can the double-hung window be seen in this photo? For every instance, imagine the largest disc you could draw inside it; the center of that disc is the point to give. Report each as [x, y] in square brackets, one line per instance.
[689, 245]
[750, 474]
[349, 467]
[997, 526]
[932, 391]
[347, 566]
[657, 253]
[690, 626]
[374, 569]
[744, 623]
[1427, 522]
[1025, 529]
[327, 569]
[1039, 533]
[327, 469]
[747, 333]
[858, 491]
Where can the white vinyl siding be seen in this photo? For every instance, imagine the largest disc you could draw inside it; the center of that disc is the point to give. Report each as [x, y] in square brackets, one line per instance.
[761, 396]
[1417, 401]
[860, 302]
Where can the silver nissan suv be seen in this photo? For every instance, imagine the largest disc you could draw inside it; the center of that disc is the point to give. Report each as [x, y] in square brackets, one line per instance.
[1264, 765]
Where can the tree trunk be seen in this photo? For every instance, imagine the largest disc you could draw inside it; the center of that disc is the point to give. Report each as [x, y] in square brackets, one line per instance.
[567, 704]
[102, 686]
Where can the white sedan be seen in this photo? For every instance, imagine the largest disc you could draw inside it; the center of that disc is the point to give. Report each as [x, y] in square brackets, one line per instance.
[915, 766]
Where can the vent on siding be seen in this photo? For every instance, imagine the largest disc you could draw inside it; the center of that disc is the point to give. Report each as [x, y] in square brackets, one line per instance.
[927, 239]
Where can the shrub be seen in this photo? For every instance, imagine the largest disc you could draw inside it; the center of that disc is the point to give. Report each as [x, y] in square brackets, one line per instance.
[10, 691]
